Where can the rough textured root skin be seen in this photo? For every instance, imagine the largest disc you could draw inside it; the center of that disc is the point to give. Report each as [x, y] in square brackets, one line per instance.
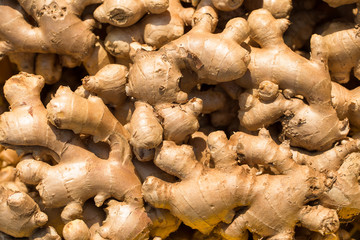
[55, 189]
[301, 128]
[98, 59]
[48, 66]
[278, 8]
[163, 67]
[28, 123]
[44, 39]
[342, 42]
[20, 214]
[172, 114]
[154, 30]
[320, 219]
[202, 210]
[212, 100]
[145, 128]
[346, 103]
[76, 230]
[108, 84]
[84, 172]
[268, 31]
[100, 123]
[299, 120]
[345, 191]
[122, 13]
[329, 160]
[124, 222]
[198, 141]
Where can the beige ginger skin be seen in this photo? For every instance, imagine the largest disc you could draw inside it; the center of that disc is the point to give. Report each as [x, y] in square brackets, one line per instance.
[123, 13]
[20, 214]
[342, 42]
[162, 68]
[194, 202]
[299, 120]
[60, 16]
[154, 30]
[57, 190]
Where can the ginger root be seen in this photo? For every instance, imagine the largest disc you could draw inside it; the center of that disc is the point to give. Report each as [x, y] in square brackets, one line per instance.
[198, 207]
[20, 215]
[162, 68]
[54, 188]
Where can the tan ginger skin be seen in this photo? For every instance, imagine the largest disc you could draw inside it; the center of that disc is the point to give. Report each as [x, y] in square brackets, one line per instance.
[20, 214]
[342, 42]
[198, 50]
[154, 30]
[148, 126]
[123, 13]
[300, 121]
[346, 103]
[198, 207]
[59, 16]
[108, 84]
[55, 190]
[267, 61]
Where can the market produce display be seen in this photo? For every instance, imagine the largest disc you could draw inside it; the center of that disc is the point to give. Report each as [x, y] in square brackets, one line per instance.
[180, 119]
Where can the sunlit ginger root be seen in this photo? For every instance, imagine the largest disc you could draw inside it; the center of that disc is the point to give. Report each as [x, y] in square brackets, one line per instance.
[34, 134]
[223, 60]
[20, 215]
[329, 160]
[123, 13]
[154, 30]
[51, 19]
[263, 107]
[163, 222]
[346, 103]
[193, 200]
[345, 192]
[276, 62]
[124, 221]
[108, 84]
[212, 99]
[149, 126]
[342, 41]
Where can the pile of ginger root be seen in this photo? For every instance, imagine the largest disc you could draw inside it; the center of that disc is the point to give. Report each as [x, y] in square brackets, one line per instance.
[179, 119]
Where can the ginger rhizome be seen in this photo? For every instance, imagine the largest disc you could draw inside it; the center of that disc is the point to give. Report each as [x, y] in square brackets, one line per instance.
[198, 207]
[30, 117]
[124, 13]
[20, 214]
[148, 126]
[51, 18]
[299, 120]
[342, 41]
[266, 73]
[213, 57]
[154, 30]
